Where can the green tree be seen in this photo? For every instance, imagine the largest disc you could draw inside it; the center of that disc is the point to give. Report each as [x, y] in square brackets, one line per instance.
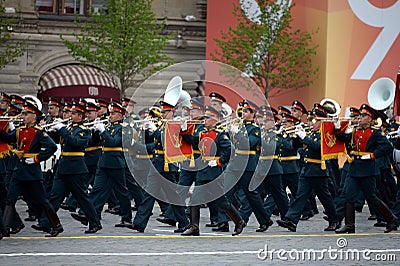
[266, 48]
[10, 49]
[123, 39]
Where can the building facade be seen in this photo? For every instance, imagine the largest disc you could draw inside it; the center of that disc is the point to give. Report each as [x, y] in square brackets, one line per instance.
[41, 22]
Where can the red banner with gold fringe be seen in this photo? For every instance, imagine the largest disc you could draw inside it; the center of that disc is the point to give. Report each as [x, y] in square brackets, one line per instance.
[331, 147]
[176, 149]
[4, 148]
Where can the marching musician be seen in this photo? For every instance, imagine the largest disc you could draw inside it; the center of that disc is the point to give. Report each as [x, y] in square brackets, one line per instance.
[110, 174]
[17, 100]
[103, 112]
[366, 144]
[298, 110]
[92, 152]
[288, 155]
[216, 101]
[72, 169]
[5, 102]
[313, 176]
[161, 169]
[215, 148]
[269, 169]
[67, 111]
[129, 105]
[53, 109]
[187, 175]
[247, 144]
[33, 146]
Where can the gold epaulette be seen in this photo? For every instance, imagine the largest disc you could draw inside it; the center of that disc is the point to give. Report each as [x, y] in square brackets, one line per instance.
[218, 130]
[83, 127]
[124, 124]
[38, 127]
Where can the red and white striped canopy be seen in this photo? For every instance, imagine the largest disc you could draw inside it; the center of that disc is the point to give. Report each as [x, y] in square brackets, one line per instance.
[73, 75]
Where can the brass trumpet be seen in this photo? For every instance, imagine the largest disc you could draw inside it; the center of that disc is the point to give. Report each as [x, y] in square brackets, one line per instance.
[227, 123]
[95, 122]
[56, 122]
[16, 118]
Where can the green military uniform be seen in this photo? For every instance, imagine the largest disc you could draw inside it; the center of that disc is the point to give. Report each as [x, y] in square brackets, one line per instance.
[71, 173]
[27, 179]
[313, 176]
[110, 174]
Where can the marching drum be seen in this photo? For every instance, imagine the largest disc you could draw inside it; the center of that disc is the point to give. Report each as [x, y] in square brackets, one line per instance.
[49, 164]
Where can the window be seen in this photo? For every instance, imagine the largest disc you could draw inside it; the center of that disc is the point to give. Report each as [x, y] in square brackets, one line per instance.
[68, 7]
[46, 6]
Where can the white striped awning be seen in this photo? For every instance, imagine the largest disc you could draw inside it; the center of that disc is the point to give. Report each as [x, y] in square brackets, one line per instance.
[75, 75]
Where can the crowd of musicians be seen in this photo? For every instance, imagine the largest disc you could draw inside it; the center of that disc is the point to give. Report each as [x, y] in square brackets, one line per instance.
[108, 155]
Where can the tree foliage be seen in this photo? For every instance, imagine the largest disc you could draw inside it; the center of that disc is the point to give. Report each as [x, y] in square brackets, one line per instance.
[123, 39]
[10, 49]
[268, 49]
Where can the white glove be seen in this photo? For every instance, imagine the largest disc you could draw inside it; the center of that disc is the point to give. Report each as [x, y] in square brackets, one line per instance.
[11, 126]
[58, 126]
[337, 124]
[212, 163]
[398, 131]
[301, 134]
[99, 127]
[30, 160]
[234, 129]
[184, 125]
[366, 157]
[151, 126]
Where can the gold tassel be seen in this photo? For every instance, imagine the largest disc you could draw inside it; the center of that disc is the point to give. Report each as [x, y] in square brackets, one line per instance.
[166, 168]
[323, 165]
[191, 164]
[350, 159]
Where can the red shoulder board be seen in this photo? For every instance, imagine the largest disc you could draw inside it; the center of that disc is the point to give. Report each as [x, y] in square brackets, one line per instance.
[206, 142]
[25, 138]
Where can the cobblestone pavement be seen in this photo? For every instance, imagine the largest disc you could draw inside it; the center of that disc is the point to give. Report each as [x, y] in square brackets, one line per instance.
[160, 246]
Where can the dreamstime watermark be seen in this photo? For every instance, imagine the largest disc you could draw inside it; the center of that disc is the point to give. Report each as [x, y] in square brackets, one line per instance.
[340, 252]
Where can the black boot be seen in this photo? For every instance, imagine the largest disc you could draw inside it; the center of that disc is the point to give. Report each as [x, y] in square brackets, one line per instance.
[8, 217]
[332, 226]
[55, 231]
[237, 219]
[56, 227]
[222, 227]
[349, 220]
[193, 228]
[391, 220]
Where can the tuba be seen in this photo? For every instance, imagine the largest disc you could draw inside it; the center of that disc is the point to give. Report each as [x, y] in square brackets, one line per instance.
[175, 95]
[34, 100]
[381, 93]
[332, 107]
